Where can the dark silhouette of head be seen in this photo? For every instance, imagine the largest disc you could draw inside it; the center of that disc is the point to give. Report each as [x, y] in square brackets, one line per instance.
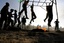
[26, 2]
[11, 10]
[23, 16]
[56, 19]
[32, 7]
[7, 4]
[15, 10]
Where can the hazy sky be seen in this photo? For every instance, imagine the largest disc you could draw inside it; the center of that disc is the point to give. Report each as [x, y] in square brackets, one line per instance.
[40, 13]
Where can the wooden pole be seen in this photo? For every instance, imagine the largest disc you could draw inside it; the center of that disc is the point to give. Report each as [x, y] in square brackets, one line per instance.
[56, 9]
[19, 5]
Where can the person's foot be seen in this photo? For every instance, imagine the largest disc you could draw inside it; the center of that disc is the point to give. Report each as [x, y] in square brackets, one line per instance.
[30, 22]
[33, 20]
[49, 25]
[27, 18]
[44, 20]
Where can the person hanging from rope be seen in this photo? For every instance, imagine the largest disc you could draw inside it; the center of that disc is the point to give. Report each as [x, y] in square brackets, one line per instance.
[24, 8]
[56, 25]
[49, 13]
[32, 14]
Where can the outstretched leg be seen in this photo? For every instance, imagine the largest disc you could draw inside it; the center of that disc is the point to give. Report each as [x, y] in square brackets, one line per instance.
[26, 14]
[33, 17]
[20, 12]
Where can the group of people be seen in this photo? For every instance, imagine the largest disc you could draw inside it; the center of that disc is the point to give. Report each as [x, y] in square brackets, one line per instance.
[25, 10]
[6, 15]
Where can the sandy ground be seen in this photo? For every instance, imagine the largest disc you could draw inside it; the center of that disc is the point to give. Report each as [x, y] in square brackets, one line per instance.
[31, 37]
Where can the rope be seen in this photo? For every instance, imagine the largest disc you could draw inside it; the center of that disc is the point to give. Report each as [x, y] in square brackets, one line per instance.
[56, 9]
[44, 2]
[38, 2]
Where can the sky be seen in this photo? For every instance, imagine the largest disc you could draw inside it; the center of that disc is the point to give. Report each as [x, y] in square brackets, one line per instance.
[40, 12]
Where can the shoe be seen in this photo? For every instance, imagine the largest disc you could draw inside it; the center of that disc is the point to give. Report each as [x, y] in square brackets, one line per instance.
[49, 25]
[30, 22]
[33, 20]
[44, 20]
[27, 18]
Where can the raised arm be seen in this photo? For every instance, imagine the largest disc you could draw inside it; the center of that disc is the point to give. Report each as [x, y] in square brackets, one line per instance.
[52, 2]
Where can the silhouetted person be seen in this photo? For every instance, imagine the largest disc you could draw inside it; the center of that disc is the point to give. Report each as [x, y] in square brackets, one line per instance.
[15, 16]
[49, 14]
[56, 25]
[24, 9]
[9, 17]
[32, 14]
[4, 12]
[23, 20]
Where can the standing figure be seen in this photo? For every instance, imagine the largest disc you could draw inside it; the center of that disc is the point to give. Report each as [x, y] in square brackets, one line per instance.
[15, 16]
[23, 21]
[56, 25]
[32, 14]
[49, 14]
[4, 12]
[24, 9]
[9, 18]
